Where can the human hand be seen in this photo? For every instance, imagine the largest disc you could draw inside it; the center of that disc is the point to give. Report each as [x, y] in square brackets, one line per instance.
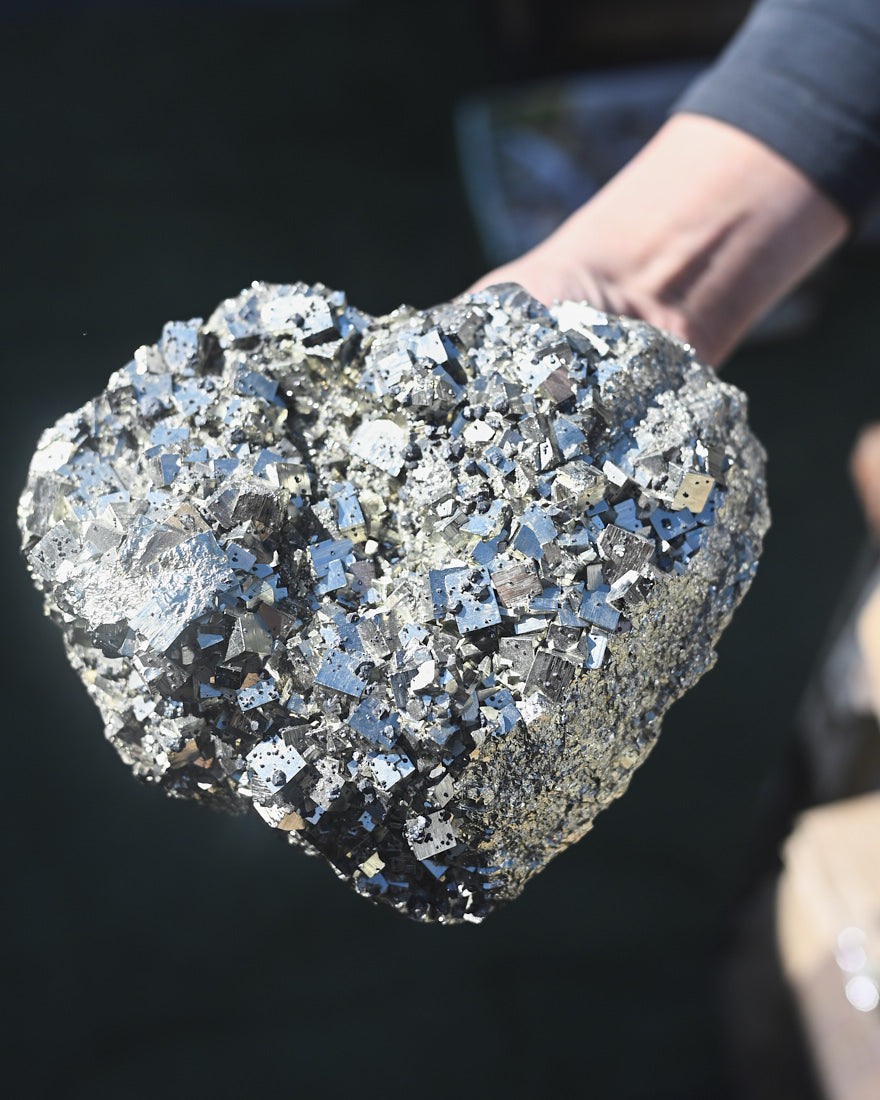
[700, 234]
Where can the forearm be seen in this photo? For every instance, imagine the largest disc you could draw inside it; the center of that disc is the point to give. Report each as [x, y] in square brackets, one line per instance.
[700, 234]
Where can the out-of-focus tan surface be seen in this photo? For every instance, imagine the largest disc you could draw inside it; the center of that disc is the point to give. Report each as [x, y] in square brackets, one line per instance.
[828, 925]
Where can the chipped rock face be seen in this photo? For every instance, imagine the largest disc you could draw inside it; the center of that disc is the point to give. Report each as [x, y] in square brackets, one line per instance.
[417, 590]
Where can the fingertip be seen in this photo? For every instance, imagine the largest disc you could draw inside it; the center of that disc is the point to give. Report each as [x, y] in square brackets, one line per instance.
[864, 466]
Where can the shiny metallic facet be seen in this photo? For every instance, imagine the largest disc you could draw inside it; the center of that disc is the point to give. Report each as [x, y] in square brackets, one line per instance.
[417, 590]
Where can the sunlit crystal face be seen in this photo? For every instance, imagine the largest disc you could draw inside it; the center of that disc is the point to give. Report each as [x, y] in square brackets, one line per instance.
[374, 578]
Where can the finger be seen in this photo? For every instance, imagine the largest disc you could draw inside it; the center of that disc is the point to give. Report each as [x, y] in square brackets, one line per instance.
[865, 471]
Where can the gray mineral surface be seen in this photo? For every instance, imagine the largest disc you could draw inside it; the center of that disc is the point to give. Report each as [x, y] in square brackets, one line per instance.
[417, 590]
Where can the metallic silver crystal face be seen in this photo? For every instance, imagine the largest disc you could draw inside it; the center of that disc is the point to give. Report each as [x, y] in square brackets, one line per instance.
[418, 590]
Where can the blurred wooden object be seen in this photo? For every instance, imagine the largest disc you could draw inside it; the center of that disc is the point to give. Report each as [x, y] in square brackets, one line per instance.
[828, 928]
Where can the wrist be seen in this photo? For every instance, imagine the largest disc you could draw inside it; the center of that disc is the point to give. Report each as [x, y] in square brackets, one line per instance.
[700, 234]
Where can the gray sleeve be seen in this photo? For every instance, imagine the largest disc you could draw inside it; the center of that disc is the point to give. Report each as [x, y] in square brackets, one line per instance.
[803, 76]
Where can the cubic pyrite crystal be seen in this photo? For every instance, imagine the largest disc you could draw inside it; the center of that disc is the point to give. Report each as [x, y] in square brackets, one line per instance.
[417, 590]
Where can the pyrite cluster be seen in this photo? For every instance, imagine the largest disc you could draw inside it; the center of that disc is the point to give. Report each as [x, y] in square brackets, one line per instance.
[417, 590]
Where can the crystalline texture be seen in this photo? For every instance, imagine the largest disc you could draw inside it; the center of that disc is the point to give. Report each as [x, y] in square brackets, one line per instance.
[417, 590]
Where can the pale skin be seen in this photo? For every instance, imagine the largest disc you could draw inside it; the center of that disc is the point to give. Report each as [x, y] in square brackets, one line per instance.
[865, 471]
[700, 234]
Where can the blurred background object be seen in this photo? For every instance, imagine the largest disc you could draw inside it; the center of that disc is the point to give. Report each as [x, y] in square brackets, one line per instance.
[837, 717]
[533, 153]
[802, 967]
[828, 927]
[828, 897]
[158, 157]
[535, 38]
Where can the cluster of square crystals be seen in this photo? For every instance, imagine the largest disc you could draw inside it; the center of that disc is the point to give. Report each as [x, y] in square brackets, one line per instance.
[315, 563]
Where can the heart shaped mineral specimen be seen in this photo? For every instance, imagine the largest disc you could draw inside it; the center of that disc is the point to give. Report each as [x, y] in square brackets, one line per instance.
[417, 590]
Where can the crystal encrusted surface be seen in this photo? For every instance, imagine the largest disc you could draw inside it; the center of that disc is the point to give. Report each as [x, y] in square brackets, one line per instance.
[417, 589]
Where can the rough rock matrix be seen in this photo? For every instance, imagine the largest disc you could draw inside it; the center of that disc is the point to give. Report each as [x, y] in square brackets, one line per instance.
[418, 590]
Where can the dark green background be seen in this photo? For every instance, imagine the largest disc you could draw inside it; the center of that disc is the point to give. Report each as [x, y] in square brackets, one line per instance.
[156, 159]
